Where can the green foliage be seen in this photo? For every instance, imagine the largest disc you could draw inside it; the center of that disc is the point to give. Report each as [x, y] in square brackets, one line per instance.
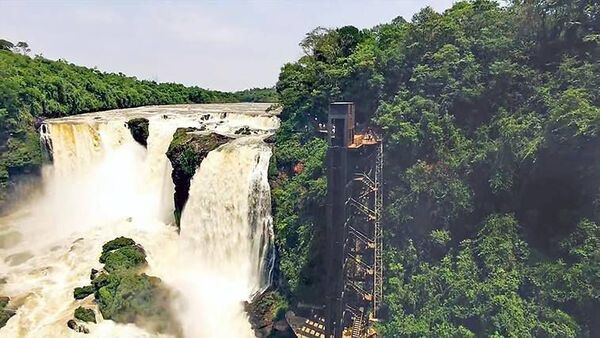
[83, 291]
[85, 314]
[32, 88]
[298, 193]
[116, 243]
[490, 120]
[133, 298]
[122, 253]
[476, 289]
[128, 257]
[125, 295]
[186, 151]
[268, 95]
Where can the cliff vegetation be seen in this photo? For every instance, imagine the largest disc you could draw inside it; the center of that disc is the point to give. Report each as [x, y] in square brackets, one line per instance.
[32, 88]
[490, 116]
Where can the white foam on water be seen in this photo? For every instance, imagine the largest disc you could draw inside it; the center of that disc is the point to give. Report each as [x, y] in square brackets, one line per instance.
[102, 184]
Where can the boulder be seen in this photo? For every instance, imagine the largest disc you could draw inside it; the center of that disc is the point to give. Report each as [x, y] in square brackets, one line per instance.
[124, 294]
[5, 312]
[122, 253]
[139, 130]
[270, 139]
[72, 324]
[137, 298]
[85, 314]
[82, 292]
[117, 243]
[267, 315]
[186, 151]
[128, 257]
[243, 131]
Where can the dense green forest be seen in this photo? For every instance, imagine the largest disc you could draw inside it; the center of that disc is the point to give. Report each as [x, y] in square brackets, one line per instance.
[490, 116]
[35, 87]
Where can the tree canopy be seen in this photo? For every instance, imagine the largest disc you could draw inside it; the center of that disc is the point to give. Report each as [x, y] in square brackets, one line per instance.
[34, 87]
[490, 117]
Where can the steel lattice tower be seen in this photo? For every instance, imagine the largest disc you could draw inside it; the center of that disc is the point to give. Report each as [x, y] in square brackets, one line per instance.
[354, 234]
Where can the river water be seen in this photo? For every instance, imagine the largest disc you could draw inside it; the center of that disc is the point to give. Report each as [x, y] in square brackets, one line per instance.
[102, 184]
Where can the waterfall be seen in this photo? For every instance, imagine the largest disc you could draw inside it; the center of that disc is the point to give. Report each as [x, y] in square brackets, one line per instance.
[227, 237]
[102, 184]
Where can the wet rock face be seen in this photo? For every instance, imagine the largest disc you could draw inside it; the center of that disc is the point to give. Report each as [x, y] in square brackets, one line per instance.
[139, 130]
[267, 315]
[5, 312]
[186, 152]
[72, 324]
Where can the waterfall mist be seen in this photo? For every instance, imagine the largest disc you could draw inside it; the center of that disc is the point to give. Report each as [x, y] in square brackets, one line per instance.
[102, 184]
[226, 236]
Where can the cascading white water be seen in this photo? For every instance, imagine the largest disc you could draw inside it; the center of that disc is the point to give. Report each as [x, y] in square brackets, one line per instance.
[103, 184]
[226, 234]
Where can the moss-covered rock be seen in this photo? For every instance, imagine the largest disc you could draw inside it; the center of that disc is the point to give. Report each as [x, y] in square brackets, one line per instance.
[137, 298]
[187, 150]
[139, 130]
[117, 243]
[122, 253]
[128, 257]
[85, 314]
[265, 311]
[5, 312]
[125, 295]
[100, 280]
[84, 291]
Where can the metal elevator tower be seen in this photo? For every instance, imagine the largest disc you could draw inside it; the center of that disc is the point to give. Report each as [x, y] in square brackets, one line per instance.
[354, 235]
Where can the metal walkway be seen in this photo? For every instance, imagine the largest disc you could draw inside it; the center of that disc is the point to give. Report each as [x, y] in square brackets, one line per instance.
[354, 234]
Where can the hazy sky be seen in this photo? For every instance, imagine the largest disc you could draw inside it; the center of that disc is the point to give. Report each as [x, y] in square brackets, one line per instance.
[225, 45]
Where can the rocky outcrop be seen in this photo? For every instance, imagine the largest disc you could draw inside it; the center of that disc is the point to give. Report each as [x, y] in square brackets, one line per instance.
[73, 325]
[267, 315]
[243, 131]
[85, 314]
[5, 312]
[270, 139]
[124, 294]
[187, 150]
[139, 130]
[82, 292]
[122, 253]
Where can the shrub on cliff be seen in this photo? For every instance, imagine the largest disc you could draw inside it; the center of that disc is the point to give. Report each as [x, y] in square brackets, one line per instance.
[82, 292]
[117, 243]
[139, 130]
[85, 314]
[186, 151]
